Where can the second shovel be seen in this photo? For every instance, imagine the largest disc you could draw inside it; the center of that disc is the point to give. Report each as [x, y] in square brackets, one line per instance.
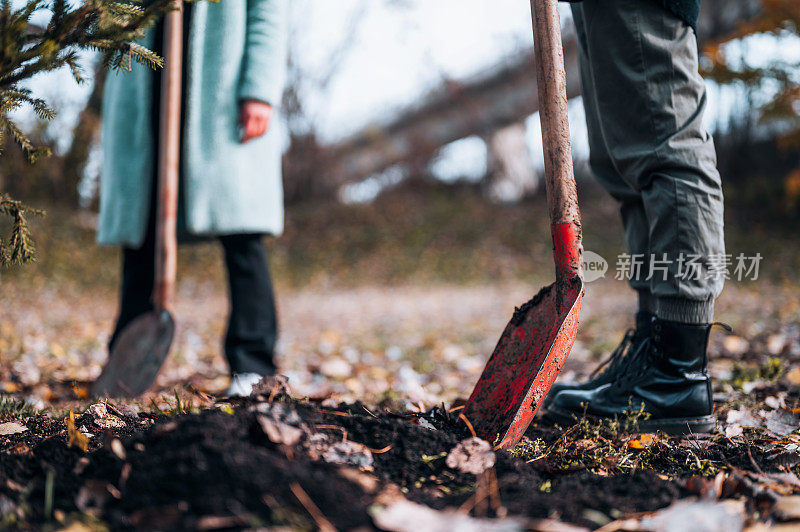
[143, 345]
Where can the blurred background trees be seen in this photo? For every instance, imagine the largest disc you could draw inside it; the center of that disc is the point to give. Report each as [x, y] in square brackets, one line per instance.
[470, 126]
[759, 150]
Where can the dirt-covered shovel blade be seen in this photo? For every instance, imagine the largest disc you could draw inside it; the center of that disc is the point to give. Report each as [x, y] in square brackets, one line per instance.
[541, 333]
[143, 345]
[138, 355]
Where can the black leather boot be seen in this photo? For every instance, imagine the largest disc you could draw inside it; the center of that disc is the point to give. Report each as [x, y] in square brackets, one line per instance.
[667, 374]
[610, 367]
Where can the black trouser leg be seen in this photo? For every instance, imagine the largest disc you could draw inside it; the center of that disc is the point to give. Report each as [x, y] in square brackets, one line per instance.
[137, 287]
[252, 324]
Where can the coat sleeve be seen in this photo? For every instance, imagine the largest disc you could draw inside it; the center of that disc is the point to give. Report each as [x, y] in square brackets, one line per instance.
[264, 62]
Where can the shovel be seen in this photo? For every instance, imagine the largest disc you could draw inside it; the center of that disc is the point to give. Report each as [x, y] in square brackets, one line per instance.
[143, 345]
[537, 340]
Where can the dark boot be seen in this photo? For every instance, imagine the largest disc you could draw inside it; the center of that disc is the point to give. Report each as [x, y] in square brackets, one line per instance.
[610, 367]
[667, 375]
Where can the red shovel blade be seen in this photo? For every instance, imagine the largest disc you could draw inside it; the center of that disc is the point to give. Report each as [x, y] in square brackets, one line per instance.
[525, 363]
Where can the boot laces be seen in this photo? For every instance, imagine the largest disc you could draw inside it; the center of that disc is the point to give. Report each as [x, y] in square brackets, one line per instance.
[617, 355]
[638, 362]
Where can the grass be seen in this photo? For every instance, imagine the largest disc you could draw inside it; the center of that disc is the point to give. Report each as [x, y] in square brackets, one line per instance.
[443, 234]
[14, 408]
[613, 447]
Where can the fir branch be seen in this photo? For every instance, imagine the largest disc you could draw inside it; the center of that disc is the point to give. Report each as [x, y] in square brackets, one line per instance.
[109, 26]
[20, 248]
[112, 26]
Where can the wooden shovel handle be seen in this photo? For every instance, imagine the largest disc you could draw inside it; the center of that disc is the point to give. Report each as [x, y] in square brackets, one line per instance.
[562, 198]
[169, 161]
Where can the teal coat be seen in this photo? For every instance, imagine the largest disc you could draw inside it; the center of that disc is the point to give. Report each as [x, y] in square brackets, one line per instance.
[236, 50]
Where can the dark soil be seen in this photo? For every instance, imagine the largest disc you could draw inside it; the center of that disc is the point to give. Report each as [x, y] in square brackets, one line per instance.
[217, 469]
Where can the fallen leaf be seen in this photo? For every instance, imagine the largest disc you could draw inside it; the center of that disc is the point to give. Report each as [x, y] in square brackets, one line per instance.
[279, 432]
[642, 441]
[738, 420]
[781, 422]
[321, 446]
[270, 386]
[6, 429]
[472, 455]
[407, 516]
[21, 448]
[776, 402]
[733, 431]
[742, 417]
[685, 515]
[336, 368]
[103, 418]
[75, 526]
[784, 459]
[368, 482]
[775, 344]
[76, 437]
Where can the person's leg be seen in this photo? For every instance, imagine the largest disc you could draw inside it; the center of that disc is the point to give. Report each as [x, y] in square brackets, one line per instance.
[631, 206]
[136, 288]
[633, 218]
[650, 101]
[252, 323]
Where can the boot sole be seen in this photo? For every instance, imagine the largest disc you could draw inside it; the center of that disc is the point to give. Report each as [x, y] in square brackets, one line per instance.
[670, 426]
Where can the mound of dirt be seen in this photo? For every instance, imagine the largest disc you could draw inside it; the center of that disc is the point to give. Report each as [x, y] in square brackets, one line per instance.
[266, 463]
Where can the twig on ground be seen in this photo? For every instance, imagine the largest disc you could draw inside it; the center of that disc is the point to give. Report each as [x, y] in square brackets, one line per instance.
[319, 518]
[381, 451]
[462, 417]
[494, 494]
[334, 427]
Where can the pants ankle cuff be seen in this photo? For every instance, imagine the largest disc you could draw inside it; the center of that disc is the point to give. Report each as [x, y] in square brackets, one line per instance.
[685, 310]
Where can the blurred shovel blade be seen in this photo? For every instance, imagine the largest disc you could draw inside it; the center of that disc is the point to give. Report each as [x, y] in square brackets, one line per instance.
[137, 356]
[525, 363]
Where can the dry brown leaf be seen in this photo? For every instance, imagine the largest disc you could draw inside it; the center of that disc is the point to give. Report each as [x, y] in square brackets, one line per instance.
[642, 441]
[270, 386]
[408, 516]
[345, 452]
[76, 437]
[781, 422]
[472, 455]
[12, 427]
[279, 432]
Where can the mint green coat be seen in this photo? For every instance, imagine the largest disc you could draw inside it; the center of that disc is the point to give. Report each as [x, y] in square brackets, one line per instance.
[236, 50]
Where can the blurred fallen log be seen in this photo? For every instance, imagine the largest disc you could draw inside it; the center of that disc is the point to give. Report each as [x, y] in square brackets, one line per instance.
[490, 101]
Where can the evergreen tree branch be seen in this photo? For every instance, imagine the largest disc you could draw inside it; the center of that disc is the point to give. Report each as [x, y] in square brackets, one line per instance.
[111, 27]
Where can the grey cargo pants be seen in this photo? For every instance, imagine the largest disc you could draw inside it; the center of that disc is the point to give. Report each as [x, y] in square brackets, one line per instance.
[644, 102]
